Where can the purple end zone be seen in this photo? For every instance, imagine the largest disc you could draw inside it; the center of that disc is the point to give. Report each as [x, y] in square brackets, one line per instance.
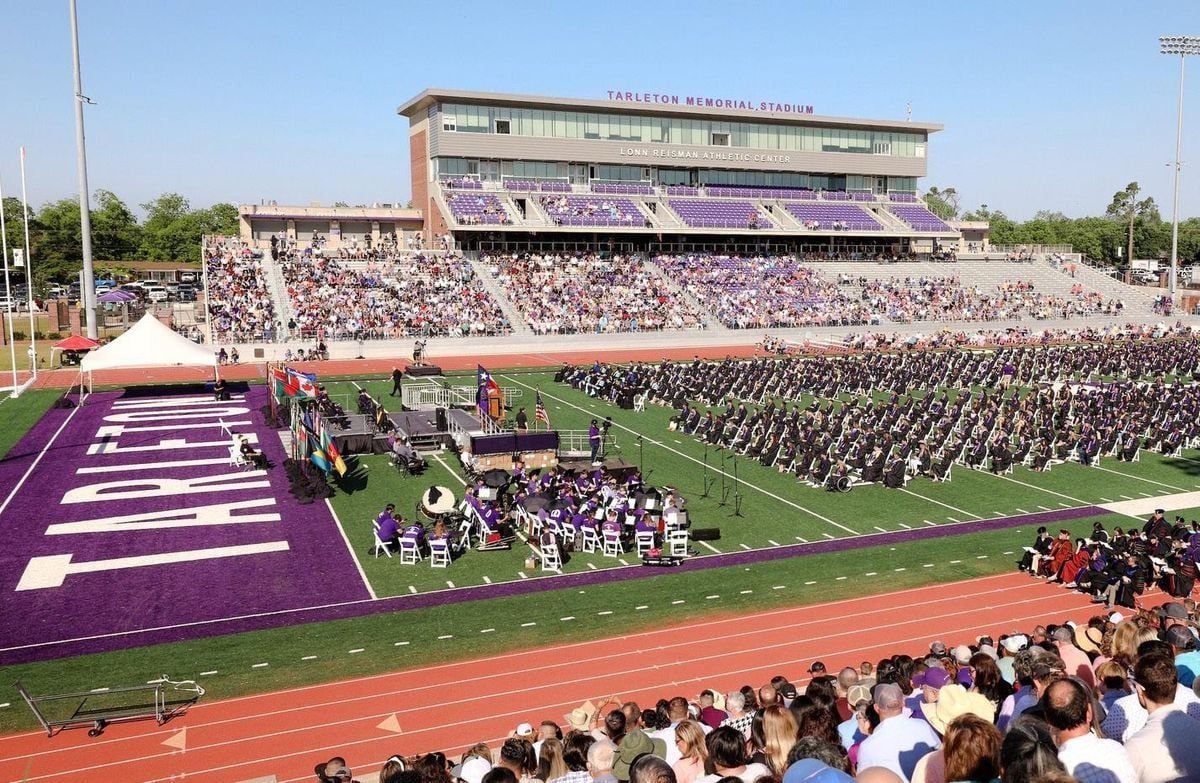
[133, 518]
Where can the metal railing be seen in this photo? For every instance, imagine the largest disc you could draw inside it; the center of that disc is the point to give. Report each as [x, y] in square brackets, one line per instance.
[426, 396]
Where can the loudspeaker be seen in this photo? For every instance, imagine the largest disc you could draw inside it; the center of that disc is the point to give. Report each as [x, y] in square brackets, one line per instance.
[706, 534]
[64, 402]
[443, 423]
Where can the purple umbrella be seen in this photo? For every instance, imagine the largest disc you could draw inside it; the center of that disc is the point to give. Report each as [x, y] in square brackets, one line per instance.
[117, 295]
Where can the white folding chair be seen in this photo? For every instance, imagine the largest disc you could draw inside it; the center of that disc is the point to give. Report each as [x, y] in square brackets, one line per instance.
[589, 539]
[439, 553]
[612, 543]
[567, 531]
[551, 560]
[644, 542]
[639, 402]
[236, 458]
[409, 554]
[380, 544]
[677, 543]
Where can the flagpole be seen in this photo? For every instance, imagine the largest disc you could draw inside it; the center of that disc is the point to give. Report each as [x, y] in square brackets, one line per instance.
[28, 272]
[12, 346]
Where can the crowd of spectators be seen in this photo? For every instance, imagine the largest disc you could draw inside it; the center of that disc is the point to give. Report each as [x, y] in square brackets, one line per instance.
[946, 299]
[1013, 335]
[385, 295]
[240, 306]
[571, 294]
[764, 292]
[1112, 700]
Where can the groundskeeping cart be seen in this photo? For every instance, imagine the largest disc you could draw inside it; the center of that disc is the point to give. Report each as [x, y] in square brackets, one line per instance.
[161, 699]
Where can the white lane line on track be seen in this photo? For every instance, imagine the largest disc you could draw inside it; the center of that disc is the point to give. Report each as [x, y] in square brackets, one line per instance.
[739, 670]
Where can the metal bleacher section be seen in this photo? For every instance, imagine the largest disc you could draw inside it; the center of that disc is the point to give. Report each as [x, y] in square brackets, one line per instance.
[641, 207]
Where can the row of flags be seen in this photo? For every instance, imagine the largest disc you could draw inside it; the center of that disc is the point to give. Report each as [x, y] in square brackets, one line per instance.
[311, 441]
[487, 389]
[291, 383]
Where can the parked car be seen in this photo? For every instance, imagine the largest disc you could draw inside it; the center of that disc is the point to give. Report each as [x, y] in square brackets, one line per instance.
[155, 293]
[187, 277]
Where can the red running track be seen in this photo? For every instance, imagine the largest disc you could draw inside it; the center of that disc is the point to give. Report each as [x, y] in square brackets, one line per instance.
[450, 706]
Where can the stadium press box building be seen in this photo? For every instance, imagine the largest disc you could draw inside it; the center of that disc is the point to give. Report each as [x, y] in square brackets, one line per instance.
[653, 171]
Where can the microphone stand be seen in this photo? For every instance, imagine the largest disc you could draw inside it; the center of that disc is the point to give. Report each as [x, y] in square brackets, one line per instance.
[737, 494]
[707, 480]
[724, 484]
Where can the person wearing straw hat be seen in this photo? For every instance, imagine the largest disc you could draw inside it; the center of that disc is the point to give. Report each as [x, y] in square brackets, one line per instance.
[953, 702]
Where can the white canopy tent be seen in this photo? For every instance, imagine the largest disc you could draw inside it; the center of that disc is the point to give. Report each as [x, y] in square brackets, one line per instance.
[148, 343]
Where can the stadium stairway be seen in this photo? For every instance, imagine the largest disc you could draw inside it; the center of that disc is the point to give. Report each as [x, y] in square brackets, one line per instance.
[778, 214]
[492, 286]
[283, 303]
[713, 326]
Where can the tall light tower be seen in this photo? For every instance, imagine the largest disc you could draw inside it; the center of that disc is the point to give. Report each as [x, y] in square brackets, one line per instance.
[1181, 46]
[85, 209]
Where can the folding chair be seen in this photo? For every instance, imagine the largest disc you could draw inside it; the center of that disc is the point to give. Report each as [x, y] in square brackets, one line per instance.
[439, 553]
[380, 545]
[409, 554]
[551, 560]
[612, 543]
[567, 531]
[677, 543]
[639, 403]
[589, 539]
[645, 542]
[237, 459]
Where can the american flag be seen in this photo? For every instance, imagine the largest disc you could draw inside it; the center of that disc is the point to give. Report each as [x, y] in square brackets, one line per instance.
[539, 411]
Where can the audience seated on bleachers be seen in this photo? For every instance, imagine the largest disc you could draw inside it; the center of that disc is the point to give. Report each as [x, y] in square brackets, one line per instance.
[389, 295]
[569, 294]
[1052, 702]
[240, 306]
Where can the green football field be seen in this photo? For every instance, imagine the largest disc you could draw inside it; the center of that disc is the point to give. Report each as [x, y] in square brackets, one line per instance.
[775, 511]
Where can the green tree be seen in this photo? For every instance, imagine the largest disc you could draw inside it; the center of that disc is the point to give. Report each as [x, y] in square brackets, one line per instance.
[116, 235]
[943, 203]
[1127, 209]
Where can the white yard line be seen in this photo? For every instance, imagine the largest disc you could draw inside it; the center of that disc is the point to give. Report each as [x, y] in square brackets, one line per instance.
[940, 503]
[1139, 478]
[353, 556]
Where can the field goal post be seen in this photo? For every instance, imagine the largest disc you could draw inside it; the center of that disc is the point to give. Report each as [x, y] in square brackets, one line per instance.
[161, 699]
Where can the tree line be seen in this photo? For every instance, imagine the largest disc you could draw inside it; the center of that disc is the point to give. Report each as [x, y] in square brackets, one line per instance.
[1131, 227]
[171, 231]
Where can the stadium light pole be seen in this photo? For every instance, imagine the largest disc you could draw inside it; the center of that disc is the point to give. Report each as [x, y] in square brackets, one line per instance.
[28, 273]
[85, 208]
[1182, 46]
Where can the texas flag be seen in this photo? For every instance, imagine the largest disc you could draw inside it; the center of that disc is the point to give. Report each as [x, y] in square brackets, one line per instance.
[484, 385]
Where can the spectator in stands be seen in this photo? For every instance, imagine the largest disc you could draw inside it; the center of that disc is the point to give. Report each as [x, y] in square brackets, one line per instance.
[634, 744]
[517, 756]
[711, 715]
[551, 765]
[1069, 709]
[1187, 658]
[779, 734]
[1166, 747]
[727, 758]
[600, 758]
[1028, 752]
[739, 718]
[651, 769]
[693, 752]
[547, 730]
[899, 741]
[972, 750]
[812, 759]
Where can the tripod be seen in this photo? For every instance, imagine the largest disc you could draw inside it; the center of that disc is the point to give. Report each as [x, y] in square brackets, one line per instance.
[737, 494]
[708, 480]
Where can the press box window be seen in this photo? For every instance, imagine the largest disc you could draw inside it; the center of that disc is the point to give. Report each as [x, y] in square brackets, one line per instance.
[720, 139]
[502, 126]
[448, 123]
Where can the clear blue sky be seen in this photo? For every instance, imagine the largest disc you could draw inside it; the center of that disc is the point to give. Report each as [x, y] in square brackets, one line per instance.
[1047, 105]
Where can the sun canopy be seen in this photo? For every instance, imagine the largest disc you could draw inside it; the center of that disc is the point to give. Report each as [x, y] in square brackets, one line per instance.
[76, 342]
[119, 295]
[148, 343]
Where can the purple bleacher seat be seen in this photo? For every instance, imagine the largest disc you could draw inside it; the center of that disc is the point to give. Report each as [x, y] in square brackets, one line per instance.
[520, 184]
[554, 186]
[477, 208]
[719, 213]
[903, 197]
[835, 195]
[862, 195]
[851, 216]
[464, 184]
[919, 218]
[592, 211]
[682, 190]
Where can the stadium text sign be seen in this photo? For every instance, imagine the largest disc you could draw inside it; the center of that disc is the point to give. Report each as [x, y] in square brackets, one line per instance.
[686, 154]
[705, 102]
